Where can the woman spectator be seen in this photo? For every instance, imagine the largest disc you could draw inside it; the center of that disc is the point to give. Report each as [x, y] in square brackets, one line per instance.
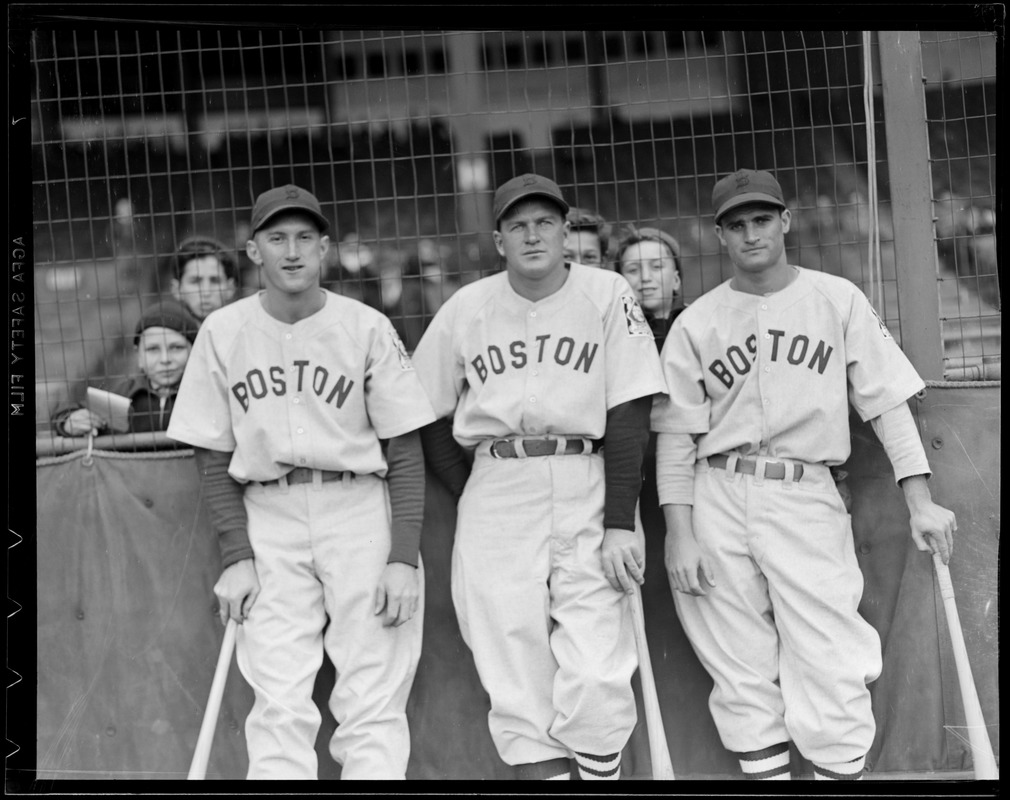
[650, 260]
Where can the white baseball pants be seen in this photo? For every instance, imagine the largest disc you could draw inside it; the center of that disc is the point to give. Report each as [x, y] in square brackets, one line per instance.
[551, 639]
[780, 633]
[320, 550]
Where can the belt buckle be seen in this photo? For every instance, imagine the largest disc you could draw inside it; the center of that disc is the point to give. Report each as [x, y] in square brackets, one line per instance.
[494, 444]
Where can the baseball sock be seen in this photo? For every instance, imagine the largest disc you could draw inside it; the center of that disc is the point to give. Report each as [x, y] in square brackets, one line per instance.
[599, 768]
[769, 764]
[846, 771]
[557, 769]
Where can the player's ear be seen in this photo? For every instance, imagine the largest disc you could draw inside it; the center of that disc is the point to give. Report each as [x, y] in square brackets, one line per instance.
[324, 245]
[174, 288]
[497, 237]
[253, 252]
[718, 233]
[786, 218]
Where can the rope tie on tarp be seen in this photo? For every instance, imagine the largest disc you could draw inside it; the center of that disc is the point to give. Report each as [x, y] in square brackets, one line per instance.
[962, 384]
[88, 456]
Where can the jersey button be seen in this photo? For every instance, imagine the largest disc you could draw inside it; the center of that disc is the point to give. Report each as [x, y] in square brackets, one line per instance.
[533, 313]
[764, 307]
[301, 460]
[295, 400]
[287, 335]
[535, 373]
[533, 399]
[767, 336]
[766, 401]
[768, 369]
[301, 430]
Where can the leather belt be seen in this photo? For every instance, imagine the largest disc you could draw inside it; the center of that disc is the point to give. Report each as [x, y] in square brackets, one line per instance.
[773, 470]
[304, 475]
[506, 448]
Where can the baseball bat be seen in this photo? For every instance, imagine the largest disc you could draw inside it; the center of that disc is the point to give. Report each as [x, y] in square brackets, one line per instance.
[978, 735]
[662, 767]
[201, 756]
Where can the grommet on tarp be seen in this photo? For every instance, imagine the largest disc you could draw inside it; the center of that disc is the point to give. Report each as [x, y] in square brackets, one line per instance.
[89, 459]
[920, 395]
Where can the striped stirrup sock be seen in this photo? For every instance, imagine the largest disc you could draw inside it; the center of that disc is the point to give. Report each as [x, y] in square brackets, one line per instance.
[847, 771]
[769, 764]
[599, 768]
[557, 769]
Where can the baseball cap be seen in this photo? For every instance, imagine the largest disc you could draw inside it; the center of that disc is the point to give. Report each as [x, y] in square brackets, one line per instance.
[746, 186]
[167, 314]
[523, 186]
[287, 198]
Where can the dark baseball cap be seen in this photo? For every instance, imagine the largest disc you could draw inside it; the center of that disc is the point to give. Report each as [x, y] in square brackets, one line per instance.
[287, 198]
[523, 186]
[167, 314]
[746, 186]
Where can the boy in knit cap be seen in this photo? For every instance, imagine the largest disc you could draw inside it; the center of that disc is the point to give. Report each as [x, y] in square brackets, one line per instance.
[162, 338]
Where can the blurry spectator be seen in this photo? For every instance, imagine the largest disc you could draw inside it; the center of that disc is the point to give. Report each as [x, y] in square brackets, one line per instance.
[588, 238]
[650, 260]
[204, 275]
[348, 271]
[163, 338]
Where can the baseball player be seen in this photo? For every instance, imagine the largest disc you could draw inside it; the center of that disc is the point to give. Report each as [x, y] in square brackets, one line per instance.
[547, 370]
[588, 238]
[759, 549]
[204, 275]
[304, 408]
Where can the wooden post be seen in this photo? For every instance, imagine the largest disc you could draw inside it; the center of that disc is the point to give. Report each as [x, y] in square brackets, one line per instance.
[911, 200]
[468, 118]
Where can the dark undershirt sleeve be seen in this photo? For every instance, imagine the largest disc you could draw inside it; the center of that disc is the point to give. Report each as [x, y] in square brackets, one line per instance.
[624, 444]
[405, 479]
[222, 496]
[445, 457]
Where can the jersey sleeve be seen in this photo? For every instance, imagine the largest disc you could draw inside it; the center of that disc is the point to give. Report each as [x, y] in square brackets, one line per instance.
[439, 365]
[394, 398]
[686, 407]
[202, 416]
[879, 374]
[633, 368]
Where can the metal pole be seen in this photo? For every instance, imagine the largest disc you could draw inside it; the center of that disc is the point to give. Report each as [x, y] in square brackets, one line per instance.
[911, 200]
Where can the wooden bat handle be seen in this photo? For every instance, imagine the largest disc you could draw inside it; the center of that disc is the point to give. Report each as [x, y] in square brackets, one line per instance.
[201, 756]
[978, 735]
[662, 767]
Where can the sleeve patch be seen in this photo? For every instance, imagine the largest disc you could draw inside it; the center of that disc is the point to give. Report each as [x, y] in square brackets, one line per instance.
[638, 325]
[401, 351]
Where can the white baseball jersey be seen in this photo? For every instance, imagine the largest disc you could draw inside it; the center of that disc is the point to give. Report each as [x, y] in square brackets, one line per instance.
[319, 393]
[505, 365]
[773, 374]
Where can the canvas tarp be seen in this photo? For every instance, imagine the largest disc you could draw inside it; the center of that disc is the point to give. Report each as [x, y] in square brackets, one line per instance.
[128, 636]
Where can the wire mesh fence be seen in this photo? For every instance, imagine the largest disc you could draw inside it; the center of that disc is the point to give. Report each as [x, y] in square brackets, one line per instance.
[143, 139]
[960, 85]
